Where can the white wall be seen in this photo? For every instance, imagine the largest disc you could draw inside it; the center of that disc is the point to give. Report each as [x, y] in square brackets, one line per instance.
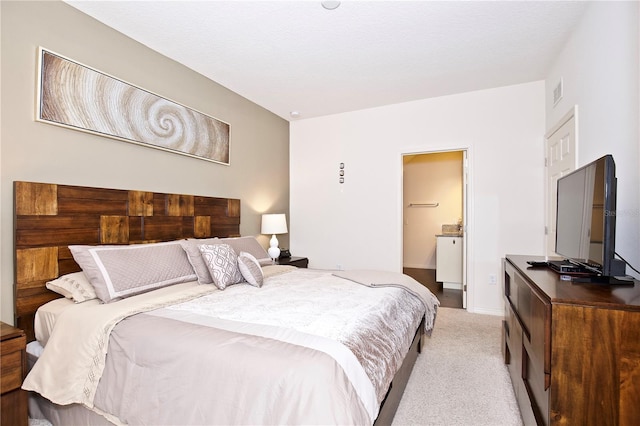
[429, 178]
[358, 224]
[600, 70]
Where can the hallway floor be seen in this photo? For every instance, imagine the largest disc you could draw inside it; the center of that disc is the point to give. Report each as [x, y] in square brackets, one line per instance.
[448, 298]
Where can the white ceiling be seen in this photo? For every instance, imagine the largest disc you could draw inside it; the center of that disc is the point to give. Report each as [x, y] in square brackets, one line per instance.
[297, 56]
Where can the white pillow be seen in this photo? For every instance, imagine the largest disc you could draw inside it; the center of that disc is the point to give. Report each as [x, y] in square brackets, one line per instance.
[250, 269]
[74, 286]
[222, 262]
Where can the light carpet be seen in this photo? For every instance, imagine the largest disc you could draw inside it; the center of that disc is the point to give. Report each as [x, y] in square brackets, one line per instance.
[460, 377]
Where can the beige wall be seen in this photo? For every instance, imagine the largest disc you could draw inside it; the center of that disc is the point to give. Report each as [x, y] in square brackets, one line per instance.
[259, 170]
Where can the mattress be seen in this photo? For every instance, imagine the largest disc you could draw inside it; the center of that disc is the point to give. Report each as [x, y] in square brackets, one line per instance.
[46, 317]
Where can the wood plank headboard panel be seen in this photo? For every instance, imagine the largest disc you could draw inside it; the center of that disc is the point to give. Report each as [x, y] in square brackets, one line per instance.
[50, 217]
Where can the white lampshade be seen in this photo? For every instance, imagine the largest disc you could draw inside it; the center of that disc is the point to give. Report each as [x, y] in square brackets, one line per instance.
[274, 224]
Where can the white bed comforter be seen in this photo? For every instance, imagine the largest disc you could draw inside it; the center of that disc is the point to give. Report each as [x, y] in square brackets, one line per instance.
[357, 335]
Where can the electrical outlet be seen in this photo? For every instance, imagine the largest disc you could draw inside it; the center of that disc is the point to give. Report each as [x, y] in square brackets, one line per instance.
[493, 279]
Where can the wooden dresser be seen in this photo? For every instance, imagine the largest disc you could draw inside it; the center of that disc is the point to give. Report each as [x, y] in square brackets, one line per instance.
[572, 349]
[13, 364]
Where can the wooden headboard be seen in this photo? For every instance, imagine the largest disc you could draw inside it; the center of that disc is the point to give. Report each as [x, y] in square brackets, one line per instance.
[49, 218]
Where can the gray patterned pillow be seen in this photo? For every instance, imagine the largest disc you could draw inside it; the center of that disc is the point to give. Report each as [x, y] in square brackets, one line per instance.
[222, 262]
[122, 271]
[250, 269]
[239, 244]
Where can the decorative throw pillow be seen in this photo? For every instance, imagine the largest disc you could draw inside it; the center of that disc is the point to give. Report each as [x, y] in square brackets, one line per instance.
[116, 272]
[192, 247]
[74, 286]
[222, 262]
[250, 269]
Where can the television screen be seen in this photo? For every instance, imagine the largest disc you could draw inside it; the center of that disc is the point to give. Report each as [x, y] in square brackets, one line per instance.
[573, 216]
[585, 216]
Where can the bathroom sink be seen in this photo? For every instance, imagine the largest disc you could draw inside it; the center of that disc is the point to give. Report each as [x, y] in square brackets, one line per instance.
[453, 230]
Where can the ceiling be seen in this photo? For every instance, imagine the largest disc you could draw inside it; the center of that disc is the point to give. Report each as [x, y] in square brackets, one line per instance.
[298, 56]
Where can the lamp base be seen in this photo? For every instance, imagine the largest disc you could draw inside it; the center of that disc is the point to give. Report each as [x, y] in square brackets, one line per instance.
[274, 251]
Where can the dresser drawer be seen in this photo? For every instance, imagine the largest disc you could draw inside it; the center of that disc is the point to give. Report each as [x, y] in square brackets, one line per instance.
[537, 355]
[11, 371]
[13, 404]
[533, 312]
[538, 341]
[528, 345]
[510, 288]
[513, 344]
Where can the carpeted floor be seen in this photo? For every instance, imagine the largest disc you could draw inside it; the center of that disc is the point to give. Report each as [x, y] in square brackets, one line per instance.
[460, 377]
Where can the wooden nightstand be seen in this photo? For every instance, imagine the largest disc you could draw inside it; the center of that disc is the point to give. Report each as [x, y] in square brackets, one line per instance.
[13, 364]
[300, 262]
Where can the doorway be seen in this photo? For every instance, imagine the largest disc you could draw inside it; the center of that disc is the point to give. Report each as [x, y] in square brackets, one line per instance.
[434, 216]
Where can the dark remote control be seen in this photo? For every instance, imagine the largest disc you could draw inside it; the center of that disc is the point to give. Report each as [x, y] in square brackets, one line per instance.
[537, 264]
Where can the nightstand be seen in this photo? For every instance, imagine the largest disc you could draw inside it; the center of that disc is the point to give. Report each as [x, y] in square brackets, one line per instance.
[300, 262]
[13, 365]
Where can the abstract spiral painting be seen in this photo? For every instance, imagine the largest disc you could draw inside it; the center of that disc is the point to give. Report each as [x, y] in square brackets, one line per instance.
[79, 97]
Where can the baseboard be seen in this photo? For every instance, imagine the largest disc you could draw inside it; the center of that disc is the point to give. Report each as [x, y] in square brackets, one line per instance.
[483, 311]
[418, 266]
[452, 286]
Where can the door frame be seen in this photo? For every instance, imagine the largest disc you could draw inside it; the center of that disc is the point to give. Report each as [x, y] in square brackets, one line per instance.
[467, 213]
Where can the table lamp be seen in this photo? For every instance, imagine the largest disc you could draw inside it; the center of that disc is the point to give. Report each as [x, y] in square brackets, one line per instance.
[274, 224]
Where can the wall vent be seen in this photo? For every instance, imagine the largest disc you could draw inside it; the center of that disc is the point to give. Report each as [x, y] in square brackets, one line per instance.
[557, 93]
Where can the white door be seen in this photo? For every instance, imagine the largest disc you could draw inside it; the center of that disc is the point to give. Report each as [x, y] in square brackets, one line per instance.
[560, 159]
[465, 217]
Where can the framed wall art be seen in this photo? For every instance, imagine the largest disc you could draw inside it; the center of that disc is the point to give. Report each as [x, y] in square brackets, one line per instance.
[79, 97]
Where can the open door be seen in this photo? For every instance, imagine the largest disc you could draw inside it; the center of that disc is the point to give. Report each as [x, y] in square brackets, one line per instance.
[465, 216]
[434, 194]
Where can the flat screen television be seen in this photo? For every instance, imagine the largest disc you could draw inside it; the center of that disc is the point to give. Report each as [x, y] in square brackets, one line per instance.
[586, 218]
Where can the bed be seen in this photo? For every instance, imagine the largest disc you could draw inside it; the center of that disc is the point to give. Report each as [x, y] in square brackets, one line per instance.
[253, 343]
